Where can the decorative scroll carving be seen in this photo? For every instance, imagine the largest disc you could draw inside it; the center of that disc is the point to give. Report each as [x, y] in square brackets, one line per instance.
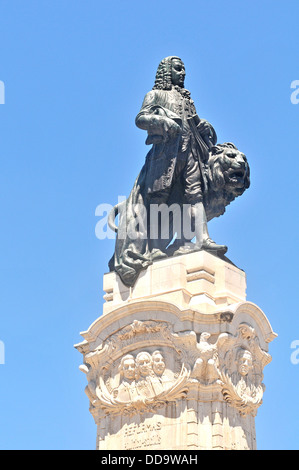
[241, 371]
[144, 366]
[126, 377]
[233, 362]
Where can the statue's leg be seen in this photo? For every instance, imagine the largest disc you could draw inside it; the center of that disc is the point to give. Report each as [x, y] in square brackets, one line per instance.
[159, 219]
[203, 240]
[197, 219]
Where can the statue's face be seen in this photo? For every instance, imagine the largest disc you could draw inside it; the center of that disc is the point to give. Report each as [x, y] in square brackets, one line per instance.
[129, 369]
[245, 363]
[158, 364]
[178, 73]
[144, 364]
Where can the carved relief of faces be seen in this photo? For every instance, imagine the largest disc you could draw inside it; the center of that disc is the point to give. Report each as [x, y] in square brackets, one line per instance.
[127, 367]
[144, 364]
[158, 363]
[244, 362]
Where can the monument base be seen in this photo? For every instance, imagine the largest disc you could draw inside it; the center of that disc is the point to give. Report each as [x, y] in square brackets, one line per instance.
[176, 362]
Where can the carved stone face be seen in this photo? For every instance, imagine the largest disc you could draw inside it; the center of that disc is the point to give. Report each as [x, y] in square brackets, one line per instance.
[128, 369]
[244, 362]
[144, 364]
[158, 364]
[178, 73]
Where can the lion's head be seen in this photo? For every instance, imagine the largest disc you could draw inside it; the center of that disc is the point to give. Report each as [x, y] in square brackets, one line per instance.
[228, 176]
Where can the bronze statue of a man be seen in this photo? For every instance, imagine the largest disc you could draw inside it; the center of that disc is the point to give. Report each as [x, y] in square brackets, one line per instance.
[179, 169]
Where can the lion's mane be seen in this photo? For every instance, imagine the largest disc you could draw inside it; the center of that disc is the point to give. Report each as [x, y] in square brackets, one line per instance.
[227, 175]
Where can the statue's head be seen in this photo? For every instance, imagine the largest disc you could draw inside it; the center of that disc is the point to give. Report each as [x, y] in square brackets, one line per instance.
[244, 362]
[171, 71]
[127, 367]
[158, 363]
[144, 364]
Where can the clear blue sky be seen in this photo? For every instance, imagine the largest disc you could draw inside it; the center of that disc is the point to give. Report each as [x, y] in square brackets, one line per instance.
[75, 74]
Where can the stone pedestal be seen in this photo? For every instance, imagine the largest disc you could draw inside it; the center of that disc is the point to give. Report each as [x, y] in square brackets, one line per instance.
[176, 363]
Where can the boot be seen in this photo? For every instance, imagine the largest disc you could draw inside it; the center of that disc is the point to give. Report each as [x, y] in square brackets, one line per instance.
[203, 239]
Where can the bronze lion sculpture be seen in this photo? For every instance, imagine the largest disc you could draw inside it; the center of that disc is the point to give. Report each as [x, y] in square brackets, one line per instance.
[228, 176]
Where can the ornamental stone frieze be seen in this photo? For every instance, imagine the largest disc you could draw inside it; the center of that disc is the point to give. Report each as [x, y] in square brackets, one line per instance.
[127, 376]
[163, 366]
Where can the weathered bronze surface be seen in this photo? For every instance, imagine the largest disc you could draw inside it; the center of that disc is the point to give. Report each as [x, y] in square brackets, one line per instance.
[185, 171]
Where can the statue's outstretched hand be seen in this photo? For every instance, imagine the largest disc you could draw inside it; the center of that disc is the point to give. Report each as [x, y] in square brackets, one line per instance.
[159, 128]
[170, 129]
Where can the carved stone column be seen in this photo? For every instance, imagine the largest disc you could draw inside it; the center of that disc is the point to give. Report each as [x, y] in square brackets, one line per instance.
[177, 362]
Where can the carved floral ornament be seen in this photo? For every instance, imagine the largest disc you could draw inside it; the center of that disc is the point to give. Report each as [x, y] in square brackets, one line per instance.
[145, 365]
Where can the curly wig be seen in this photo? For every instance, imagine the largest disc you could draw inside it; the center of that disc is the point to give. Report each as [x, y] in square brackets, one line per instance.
[163, 75]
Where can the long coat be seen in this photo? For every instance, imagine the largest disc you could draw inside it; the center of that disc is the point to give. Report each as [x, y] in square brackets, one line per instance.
[157, 178]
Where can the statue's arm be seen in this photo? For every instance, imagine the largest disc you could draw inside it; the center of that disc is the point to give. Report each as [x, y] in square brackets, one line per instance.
[207, 130]
[153, 119]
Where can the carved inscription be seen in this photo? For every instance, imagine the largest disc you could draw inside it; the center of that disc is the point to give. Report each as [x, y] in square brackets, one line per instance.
[145, 435]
